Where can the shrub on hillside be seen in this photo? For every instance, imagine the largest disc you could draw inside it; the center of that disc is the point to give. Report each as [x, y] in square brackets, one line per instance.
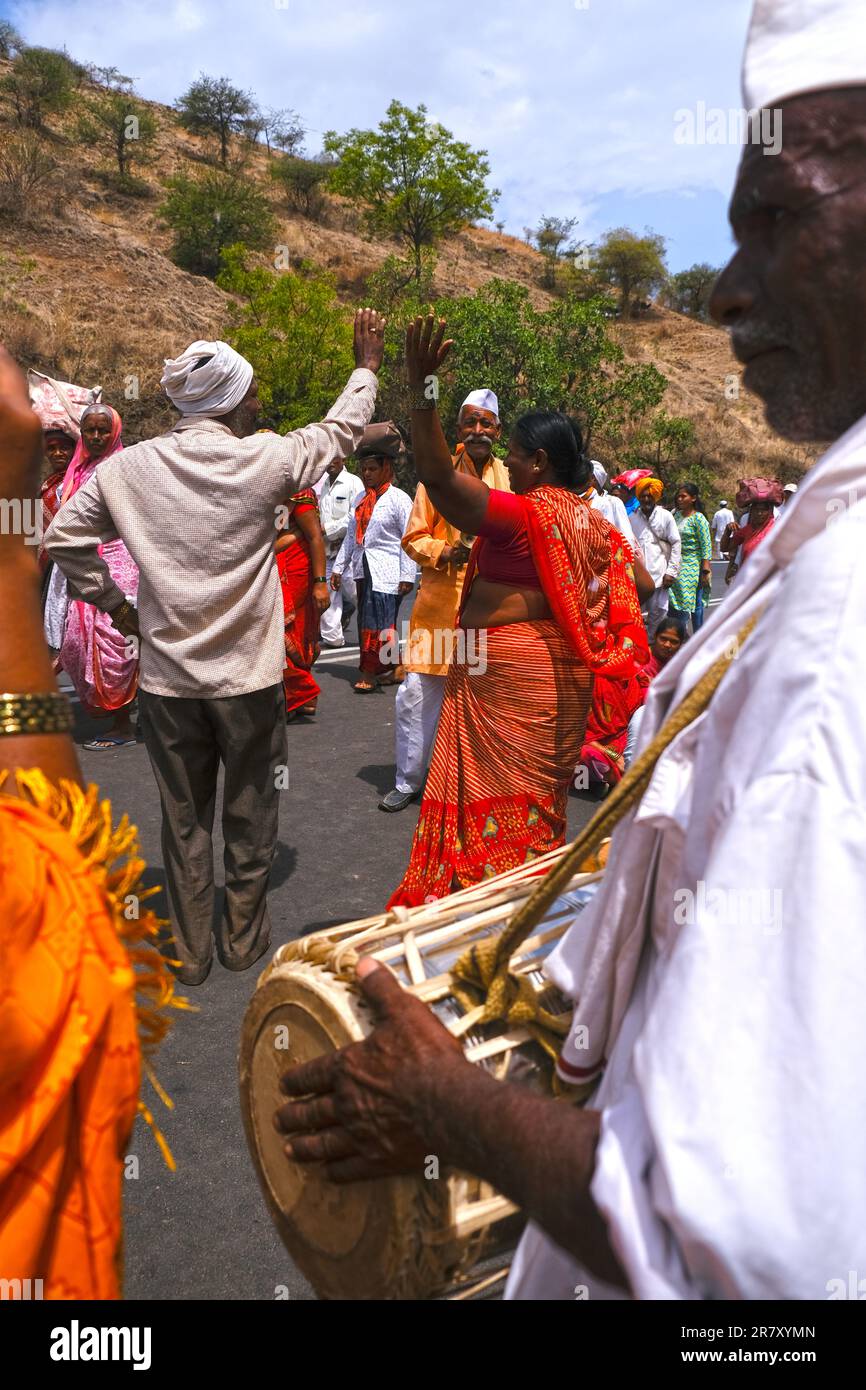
[303, 181]
[42, 83]
[11, 41]
[296, 333]
[211, 213]
[25, 169]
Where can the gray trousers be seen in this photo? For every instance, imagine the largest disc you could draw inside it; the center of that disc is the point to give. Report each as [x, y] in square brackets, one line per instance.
[186, 739]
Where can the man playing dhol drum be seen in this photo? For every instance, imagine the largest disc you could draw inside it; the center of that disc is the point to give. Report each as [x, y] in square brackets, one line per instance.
[720, 971]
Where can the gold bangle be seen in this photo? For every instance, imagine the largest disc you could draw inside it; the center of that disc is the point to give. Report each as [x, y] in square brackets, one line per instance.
[47, 712]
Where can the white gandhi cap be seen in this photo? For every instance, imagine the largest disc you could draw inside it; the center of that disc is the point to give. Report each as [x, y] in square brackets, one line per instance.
[797, 46]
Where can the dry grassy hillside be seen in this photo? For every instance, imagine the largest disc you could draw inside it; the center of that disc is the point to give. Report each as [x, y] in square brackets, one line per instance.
[87, 292]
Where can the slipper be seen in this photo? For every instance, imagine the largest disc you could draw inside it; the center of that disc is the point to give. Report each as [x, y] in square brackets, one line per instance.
[98, 745]
[364, 687]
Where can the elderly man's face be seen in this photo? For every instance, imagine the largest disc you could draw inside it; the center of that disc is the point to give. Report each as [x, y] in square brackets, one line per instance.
[476, 431]
[794, 294]
[247, 414]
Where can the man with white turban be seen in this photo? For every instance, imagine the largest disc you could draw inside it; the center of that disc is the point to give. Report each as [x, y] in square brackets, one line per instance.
[720, 971]
[197, 509]
[442, 552]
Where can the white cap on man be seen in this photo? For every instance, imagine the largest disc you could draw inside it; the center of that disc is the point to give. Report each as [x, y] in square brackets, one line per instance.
[484, 400]
[600, 474]
[797, 46]
[790, 487]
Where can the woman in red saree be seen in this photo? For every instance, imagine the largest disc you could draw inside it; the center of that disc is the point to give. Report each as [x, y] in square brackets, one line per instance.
[611, 724]
[549, 599]
[300, 552]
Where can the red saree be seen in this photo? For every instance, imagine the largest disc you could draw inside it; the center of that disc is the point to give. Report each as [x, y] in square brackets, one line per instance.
[613, 704]
[301, 617]
[511, 729]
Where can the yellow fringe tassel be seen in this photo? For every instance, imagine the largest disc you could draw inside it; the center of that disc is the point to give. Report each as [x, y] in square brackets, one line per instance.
[111, 855]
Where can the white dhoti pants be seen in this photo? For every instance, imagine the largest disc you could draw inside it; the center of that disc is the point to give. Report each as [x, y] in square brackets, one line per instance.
[331, 628]
[418, 706]
[656, 608]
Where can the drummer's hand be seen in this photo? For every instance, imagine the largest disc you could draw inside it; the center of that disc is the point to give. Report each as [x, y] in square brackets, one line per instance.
[362, 1111]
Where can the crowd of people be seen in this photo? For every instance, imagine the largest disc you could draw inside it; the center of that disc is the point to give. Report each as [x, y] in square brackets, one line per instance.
[719, 1154]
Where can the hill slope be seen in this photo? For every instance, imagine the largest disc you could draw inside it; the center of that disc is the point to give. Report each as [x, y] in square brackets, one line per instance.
[88, 293]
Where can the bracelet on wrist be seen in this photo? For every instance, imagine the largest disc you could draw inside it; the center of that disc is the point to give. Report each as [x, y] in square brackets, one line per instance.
[47, 712]
[320, 579]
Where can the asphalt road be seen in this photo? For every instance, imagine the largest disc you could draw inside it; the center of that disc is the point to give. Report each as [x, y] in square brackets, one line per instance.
[204, 1231]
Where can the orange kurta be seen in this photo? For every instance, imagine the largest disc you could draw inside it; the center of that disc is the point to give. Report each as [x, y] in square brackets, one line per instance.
[435, 610]
[69, 1049]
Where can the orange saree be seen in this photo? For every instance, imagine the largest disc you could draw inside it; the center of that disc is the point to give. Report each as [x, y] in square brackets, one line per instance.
[70, 1057]
[512, 725]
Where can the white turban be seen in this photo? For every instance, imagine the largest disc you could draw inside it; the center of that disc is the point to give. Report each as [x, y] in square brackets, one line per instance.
[599, 474]
[797, 46]
[484, 400]
[214, 389]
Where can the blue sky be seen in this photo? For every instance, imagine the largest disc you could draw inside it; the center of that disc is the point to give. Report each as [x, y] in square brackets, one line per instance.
[576, 103]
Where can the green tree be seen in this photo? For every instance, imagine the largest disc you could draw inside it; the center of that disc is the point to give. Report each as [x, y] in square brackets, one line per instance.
[11, 41]
[634, 265]
[294, 330]
[303, 181]
[117, 121]
[549, 236]
[660, 442]
[689, 290]
[211, 213]
[213, 106]
[416, 181]
[41, 84]
[595, 381]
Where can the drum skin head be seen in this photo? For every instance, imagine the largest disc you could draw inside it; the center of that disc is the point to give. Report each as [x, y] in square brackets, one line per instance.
[364, 1240]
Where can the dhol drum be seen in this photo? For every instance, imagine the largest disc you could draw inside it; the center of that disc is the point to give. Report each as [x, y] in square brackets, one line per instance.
[409, 1237]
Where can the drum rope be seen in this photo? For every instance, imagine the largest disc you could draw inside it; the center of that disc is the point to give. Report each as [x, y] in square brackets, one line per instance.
[482, 975]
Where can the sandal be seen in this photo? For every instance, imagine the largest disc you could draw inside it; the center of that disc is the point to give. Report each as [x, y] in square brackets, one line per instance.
[99, 745]
[364, 687]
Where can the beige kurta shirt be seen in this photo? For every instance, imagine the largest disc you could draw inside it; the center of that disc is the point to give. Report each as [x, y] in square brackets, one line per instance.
[197, 509]
[426, 536]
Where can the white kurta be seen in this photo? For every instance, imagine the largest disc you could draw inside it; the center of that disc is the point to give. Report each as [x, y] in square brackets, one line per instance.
[613, 510]
[336, 500]
[659, 539]
[389, 564]
[724, 956]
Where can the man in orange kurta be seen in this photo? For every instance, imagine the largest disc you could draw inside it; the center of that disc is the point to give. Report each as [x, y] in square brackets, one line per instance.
[442, 553]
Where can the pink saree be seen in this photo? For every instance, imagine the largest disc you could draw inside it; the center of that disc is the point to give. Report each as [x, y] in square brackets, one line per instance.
[93, 653]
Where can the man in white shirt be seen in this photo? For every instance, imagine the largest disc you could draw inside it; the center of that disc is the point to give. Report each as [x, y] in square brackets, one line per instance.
[198, 508]
[720, 971]
[337, 491]
[658, 536]
[722, 519]
[611, 508]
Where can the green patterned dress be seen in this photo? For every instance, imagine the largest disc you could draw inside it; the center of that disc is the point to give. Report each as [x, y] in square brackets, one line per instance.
[697, 546]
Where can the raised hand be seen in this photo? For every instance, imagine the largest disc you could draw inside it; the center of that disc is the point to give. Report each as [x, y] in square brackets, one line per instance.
[21, 451]
[425, 349]
[369, 344]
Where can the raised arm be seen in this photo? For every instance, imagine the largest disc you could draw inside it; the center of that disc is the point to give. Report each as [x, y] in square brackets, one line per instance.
[304, 454]
[25, 665]
[460, 499]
